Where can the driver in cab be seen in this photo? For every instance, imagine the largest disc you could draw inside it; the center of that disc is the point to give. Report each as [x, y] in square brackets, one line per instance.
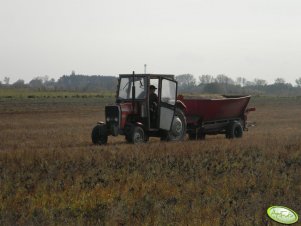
[153, 104]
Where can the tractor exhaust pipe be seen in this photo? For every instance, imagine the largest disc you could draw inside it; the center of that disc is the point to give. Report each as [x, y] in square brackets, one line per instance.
[133, 90]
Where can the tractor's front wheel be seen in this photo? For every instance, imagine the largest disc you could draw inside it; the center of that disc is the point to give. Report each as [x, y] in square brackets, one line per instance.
[136, 135]
[178, 127]
[99, 134]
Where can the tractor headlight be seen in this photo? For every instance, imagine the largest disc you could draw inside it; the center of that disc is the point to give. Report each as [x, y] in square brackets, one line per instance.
[115, 119]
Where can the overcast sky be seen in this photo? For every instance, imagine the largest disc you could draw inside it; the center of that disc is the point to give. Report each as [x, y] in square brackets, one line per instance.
[248, 38]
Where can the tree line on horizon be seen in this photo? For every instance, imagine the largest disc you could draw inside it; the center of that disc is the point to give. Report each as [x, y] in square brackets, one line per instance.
[223, 84]
[187, 83]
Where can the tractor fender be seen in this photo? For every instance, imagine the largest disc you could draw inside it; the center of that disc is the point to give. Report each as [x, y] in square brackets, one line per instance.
[139, 124]
[129, 127]
[250, 109]
[181, 105]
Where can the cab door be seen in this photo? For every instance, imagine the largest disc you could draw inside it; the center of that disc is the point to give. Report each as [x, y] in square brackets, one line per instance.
[168, 97]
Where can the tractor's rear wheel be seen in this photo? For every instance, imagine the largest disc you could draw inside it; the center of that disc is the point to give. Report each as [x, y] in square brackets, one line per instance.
[234, 130]
[99, 134]
[178, 127]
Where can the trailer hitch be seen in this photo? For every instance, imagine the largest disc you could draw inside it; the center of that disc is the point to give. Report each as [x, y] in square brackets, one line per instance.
[250, 109]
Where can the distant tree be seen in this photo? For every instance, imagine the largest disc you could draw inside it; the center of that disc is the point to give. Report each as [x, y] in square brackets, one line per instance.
[73, 72]
[298, 82]
[280, 87]
[260, 82]
[86, 83]
[19, 83]
[36, 83]
[249, 83]
[279, 81]
[50, 84]
[206, 79]
[223, 79]
[6, 80]
[241, 81]
[215, 88]
[186, 80]
[44, 78]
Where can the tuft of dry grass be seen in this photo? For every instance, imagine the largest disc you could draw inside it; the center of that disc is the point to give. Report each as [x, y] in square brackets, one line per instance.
[51, 174]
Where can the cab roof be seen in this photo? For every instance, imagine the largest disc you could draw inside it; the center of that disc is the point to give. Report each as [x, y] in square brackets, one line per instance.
[149, 75]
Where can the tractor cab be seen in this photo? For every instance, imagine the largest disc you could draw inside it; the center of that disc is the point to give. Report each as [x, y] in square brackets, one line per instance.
[146, 105]
[152, 98]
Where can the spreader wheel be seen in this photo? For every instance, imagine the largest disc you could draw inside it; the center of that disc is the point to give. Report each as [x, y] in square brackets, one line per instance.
[99, 134]
[234, 130]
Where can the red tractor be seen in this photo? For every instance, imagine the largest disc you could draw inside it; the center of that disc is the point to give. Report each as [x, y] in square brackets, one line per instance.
[142, 110]
[146, 106]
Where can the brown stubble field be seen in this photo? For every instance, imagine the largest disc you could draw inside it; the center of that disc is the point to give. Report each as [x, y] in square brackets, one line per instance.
[51, 174]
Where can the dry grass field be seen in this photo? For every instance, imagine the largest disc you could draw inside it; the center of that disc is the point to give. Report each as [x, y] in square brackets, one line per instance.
[51, 174]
